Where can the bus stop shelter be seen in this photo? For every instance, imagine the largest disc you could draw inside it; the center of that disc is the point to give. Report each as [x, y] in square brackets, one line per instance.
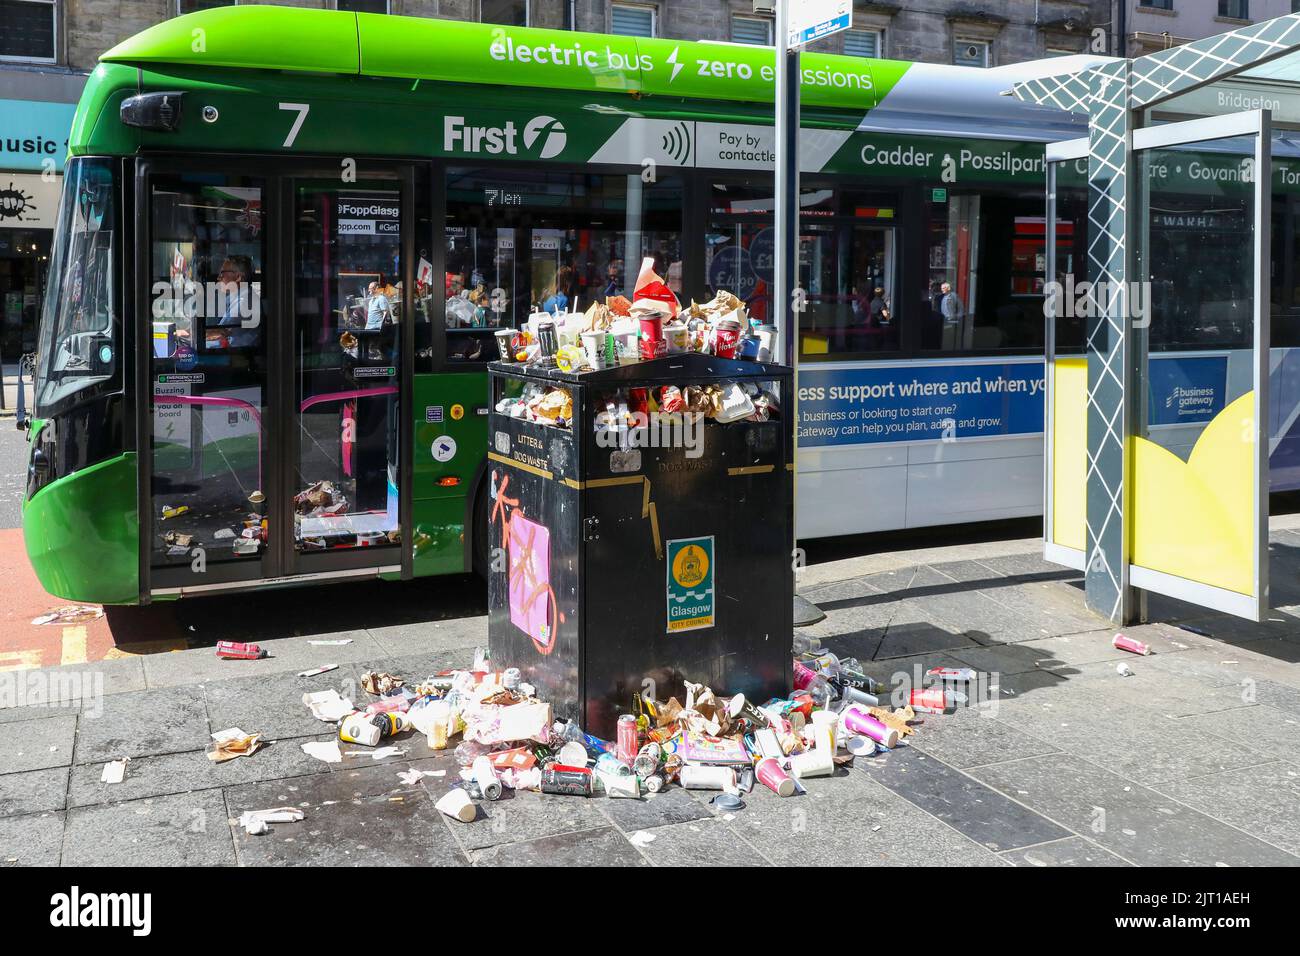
[1173, 301]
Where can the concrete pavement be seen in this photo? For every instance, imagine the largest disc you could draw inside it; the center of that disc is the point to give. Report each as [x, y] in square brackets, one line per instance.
[1194, 760]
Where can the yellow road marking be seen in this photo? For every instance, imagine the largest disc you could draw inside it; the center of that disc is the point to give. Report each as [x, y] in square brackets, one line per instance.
[20, 660]
[74, 645]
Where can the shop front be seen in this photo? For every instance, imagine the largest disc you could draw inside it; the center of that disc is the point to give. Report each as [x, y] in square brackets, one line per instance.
[36, 112]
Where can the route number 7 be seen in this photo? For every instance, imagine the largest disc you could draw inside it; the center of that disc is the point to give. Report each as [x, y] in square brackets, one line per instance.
[302, 109]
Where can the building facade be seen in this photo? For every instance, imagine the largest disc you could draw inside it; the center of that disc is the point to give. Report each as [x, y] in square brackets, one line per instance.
[1158, 24]
[48, 46]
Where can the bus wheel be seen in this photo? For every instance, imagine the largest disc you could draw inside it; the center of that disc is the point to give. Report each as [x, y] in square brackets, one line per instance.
[481, 532]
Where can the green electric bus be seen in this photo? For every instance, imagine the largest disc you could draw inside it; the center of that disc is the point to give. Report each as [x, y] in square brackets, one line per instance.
[287, 236]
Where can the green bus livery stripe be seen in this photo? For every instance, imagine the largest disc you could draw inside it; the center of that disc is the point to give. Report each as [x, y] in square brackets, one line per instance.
[329, 41]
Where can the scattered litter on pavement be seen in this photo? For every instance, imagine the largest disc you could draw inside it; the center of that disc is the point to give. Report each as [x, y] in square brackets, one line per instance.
[323, 669]
[412, 777]
[327, 705]
[326, 750]
[641, 838]
[1122, 643]
[114, 771]
[380, 684]
[232, 743]
[1229, 662]
[257, 822]
[378, 754]
[238, 651]
[338, 643]
[70, 614]
[1123, 670]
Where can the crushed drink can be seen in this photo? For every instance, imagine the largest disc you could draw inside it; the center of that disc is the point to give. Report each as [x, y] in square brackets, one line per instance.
[236, 651]
[569, 781]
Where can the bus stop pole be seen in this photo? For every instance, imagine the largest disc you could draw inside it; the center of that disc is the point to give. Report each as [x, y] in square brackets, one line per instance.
[787, 298]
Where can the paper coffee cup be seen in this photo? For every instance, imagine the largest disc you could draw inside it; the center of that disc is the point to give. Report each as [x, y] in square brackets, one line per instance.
[457, 805]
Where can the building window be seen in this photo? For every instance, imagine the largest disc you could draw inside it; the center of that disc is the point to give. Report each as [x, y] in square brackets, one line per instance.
[631, 21]
[363, 6]
[510, 13]
[193, 6]
[1055, 51]
[30, 30]
[755, 30]
[1236, 9]
[972, 53]
[1157, 4]
[864, 42]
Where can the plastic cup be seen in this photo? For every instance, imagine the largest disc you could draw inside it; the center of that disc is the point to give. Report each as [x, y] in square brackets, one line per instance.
[593, 343]
[824, 725]
[774, 778]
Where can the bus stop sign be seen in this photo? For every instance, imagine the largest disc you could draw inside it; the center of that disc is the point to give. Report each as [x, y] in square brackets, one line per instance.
[814, 19]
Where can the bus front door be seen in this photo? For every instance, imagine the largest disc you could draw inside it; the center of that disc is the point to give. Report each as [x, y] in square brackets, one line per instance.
[207, 467]
[276, 348]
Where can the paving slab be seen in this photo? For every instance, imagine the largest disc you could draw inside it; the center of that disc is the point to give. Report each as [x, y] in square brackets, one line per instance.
[1148, 750]
[969, 807]
[1266, 730]
[71, 684]
[362, 817]
[34, 839]
[271, 705]
[969, 738]
[287, 655]
[589, 848]
[709, 841]
[144, 723]
[12, 715]
[456, 634]
[33, 791]
[962, 608]
[1012, 658]
[37, 744]
[673, 805]
[187, 772]
[1132, 821]
[1260, 800]
[187, 829]
[1072, 851]
[520, 815]
[849, 820]
[912, 632]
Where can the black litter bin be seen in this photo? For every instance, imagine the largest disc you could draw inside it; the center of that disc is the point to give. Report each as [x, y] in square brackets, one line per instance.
[629, 560]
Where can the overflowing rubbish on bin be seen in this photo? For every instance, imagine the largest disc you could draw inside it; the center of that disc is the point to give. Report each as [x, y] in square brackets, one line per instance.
[618, 332]
[504, 738]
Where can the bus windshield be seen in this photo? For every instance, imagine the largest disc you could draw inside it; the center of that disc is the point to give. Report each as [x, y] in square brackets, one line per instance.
[79, 324]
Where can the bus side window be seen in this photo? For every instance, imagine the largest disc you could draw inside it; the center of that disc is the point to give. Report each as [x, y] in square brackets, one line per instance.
[987, 255]
[525, 240]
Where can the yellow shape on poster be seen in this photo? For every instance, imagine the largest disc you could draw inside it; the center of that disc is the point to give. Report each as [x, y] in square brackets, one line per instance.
[1195, 519]
[1069, 452]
